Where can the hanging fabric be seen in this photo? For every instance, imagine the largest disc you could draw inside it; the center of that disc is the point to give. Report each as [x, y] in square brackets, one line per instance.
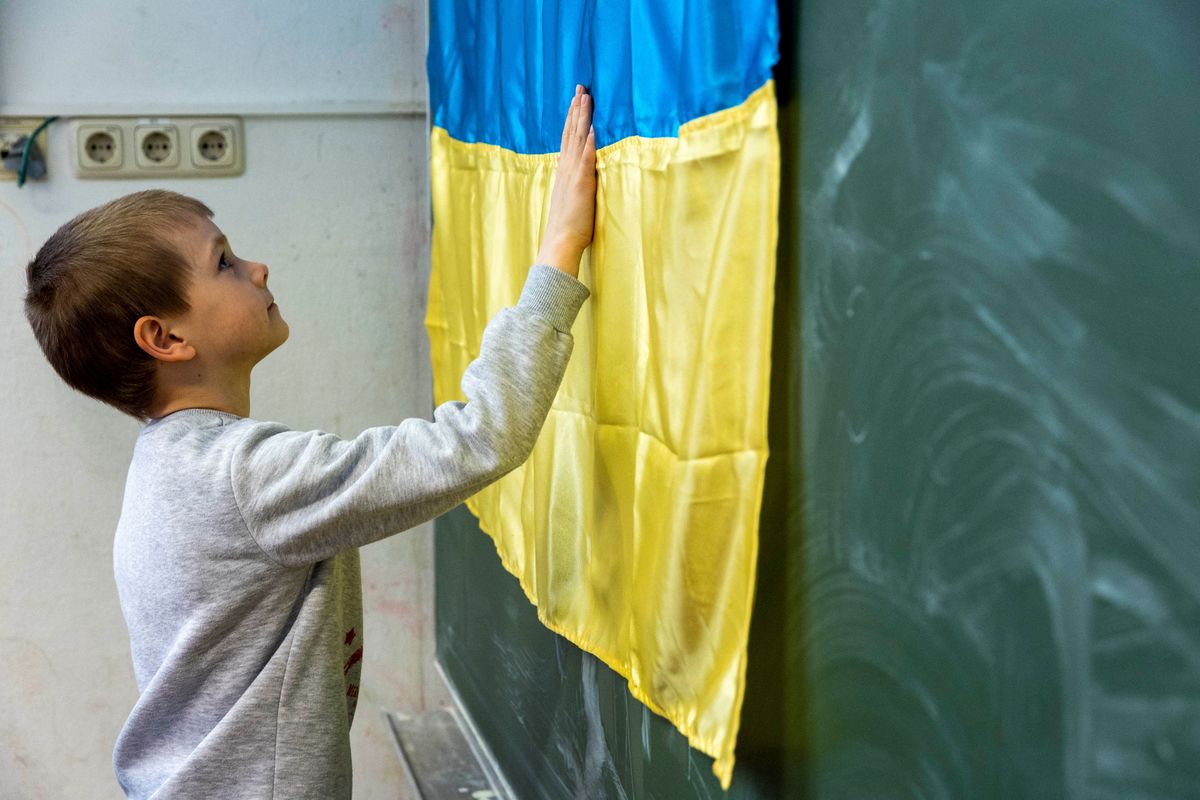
[633, 526]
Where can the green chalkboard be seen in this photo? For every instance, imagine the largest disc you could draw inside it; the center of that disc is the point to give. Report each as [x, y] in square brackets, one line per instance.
[998, 590]
[980, 565]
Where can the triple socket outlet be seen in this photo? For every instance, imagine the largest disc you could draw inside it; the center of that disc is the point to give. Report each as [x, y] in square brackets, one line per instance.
[141, 147]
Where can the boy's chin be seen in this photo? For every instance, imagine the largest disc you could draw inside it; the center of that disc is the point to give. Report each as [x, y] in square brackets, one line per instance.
[286, 332]
[277, 344]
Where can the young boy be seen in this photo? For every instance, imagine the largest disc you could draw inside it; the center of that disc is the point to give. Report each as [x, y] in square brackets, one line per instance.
[236, 553]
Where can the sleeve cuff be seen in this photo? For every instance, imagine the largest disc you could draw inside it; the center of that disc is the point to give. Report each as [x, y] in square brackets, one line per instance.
[553, 295]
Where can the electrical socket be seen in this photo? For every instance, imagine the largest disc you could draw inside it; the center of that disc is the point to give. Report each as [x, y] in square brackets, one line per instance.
[156, 147]
[215, 144]
[101, 146]
[139, 147]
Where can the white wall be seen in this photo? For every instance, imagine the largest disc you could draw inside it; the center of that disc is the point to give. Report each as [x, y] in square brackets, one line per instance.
[160, 56]
[333, 199]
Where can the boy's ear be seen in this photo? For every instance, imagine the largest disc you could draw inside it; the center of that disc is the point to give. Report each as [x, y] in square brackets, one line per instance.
[152, 335]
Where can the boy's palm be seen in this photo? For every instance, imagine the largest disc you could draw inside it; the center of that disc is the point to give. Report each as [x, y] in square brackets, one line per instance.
[571, 222]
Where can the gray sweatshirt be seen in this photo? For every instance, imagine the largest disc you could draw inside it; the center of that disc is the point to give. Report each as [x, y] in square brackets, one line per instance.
[237, 565]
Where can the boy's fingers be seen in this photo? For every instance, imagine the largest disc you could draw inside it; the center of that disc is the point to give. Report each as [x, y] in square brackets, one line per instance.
[589, 149]
[566, 127]
[579, 118]
[584, 117]
[570, 124]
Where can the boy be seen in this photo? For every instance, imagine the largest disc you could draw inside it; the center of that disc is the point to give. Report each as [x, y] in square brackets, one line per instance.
[236, 553]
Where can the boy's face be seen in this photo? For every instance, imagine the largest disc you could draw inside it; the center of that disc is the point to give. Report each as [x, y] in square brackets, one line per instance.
[233, 321]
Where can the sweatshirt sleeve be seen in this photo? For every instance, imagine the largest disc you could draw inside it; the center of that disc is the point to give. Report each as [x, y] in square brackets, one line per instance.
[307, 495]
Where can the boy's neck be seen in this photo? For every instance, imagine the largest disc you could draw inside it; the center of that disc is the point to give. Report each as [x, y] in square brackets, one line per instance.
[231, 396]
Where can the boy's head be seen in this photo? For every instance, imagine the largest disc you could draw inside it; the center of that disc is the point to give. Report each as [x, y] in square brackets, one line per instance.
[141, 304]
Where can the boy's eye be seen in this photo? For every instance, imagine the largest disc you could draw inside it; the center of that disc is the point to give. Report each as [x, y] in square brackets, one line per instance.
[223, 262]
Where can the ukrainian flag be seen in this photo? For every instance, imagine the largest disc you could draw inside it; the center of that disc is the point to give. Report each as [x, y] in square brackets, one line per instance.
[633, 526]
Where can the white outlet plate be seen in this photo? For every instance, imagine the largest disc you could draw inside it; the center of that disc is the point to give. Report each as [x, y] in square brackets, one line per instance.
[156, 147]
[101, 146]
[141, 147]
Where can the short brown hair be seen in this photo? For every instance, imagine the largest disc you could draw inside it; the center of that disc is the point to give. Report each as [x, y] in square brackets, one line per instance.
[92, 280]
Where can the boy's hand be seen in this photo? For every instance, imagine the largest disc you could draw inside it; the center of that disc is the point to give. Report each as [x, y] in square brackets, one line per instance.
[573, 201]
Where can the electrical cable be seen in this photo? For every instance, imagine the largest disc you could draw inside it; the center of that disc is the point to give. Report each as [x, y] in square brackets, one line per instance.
[28, 147]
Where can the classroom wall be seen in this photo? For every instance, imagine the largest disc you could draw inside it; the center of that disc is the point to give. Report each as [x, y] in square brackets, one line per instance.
[333, 199]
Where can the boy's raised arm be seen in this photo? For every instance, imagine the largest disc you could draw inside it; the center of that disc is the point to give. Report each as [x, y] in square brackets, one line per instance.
[307, 495]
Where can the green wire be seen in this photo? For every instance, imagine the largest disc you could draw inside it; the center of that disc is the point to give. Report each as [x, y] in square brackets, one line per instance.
[28, 147]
